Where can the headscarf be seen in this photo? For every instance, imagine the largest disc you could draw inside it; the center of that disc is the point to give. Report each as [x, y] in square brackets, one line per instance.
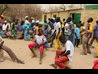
[26, 16]
[40, 23]
[2, 15]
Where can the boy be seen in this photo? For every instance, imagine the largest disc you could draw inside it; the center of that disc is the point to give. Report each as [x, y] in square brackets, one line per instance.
[63, 56]
[9, 51]
[88, 34]
[46, 33]
[77, 33]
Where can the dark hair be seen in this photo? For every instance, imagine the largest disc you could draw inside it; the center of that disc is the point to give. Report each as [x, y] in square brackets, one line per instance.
[62, 37]
[39, 30]
[90, 20]
[97, 21]
[79, 21]
[68, 19]
[63, 19]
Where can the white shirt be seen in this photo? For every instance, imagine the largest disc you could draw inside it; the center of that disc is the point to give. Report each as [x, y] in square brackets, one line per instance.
[40, 39]
[66, 25]
[70, 47]
[57, 25]
[4, 27]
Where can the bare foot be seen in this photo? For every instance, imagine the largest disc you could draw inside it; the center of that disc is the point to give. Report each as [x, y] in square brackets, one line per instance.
[54, 65]
[34, 56]
[67, 67]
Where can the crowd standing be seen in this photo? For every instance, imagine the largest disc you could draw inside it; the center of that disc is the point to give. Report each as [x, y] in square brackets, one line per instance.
[64, 33]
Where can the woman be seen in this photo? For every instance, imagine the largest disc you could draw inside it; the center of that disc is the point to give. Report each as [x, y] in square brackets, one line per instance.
[20, 30]
[26, 28]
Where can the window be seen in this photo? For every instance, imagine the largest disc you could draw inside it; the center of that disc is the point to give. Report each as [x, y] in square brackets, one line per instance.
[54, 16]
[44, 18]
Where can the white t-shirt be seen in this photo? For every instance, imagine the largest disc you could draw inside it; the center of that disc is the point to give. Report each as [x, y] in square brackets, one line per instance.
[40, 39]
[66, 25]
[70, 47]
[57, 26]
[4, 27]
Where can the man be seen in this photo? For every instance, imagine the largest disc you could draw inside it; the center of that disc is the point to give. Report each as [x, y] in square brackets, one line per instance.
[58, 31]
[53, 37]
[63, 56]
[70, 29]
[95, 33]
[88, 35]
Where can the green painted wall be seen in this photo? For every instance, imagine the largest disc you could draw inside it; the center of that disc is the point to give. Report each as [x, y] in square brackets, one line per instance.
[91, 6]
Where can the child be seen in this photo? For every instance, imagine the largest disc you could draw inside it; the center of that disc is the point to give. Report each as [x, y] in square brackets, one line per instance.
[46, 33]
[40, 26]
[9, 51]
[88, 34]
[77, 33]
[13, 31]
[32, 29]
[63, 56]
[36, 28]
[40, 42]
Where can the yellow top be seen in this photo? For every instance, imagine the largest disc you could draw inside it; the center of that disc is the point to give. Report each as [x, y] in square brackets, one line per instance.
[36, 28]
[90, 28]
[63, 25]
[74, 26]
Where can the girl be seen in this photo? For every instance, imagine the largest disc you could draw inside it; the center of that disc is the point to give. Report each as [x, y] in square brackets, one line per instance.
[40, 42]
[13, 31]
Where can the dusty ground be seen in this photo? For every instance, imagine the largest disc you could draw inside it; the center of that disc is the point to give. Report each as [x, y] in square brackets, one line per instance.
[20, 47]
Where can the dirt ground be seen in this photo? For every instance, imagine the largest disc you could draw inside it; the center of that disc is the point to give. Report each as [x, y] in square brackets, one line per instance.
[20, 48]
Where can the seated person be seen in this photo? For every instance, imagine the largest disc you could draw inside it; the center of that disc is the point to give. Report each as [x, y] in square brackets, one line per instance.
[40, 42]
[63, 56]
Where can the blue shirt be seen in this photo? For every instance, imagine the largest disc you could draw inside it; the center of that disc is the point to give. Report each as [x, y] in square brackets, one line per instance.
[77, 31]
[52, 24]
[31, 28]
[96, 30]
[71, 27]
[20, 28]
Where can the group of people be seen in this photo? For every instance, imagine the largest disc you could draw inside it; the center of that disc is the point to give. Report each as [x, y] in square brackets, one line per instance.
[62, 33]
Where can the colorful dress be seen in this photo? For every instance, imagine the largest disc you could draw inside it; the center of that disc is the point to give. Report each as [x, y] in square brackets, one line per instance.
[26, 28]
[13, 32]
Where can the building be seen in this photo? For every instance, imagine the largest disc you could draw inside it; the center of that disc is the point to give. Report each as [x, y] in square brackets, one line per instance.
[77, 14]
